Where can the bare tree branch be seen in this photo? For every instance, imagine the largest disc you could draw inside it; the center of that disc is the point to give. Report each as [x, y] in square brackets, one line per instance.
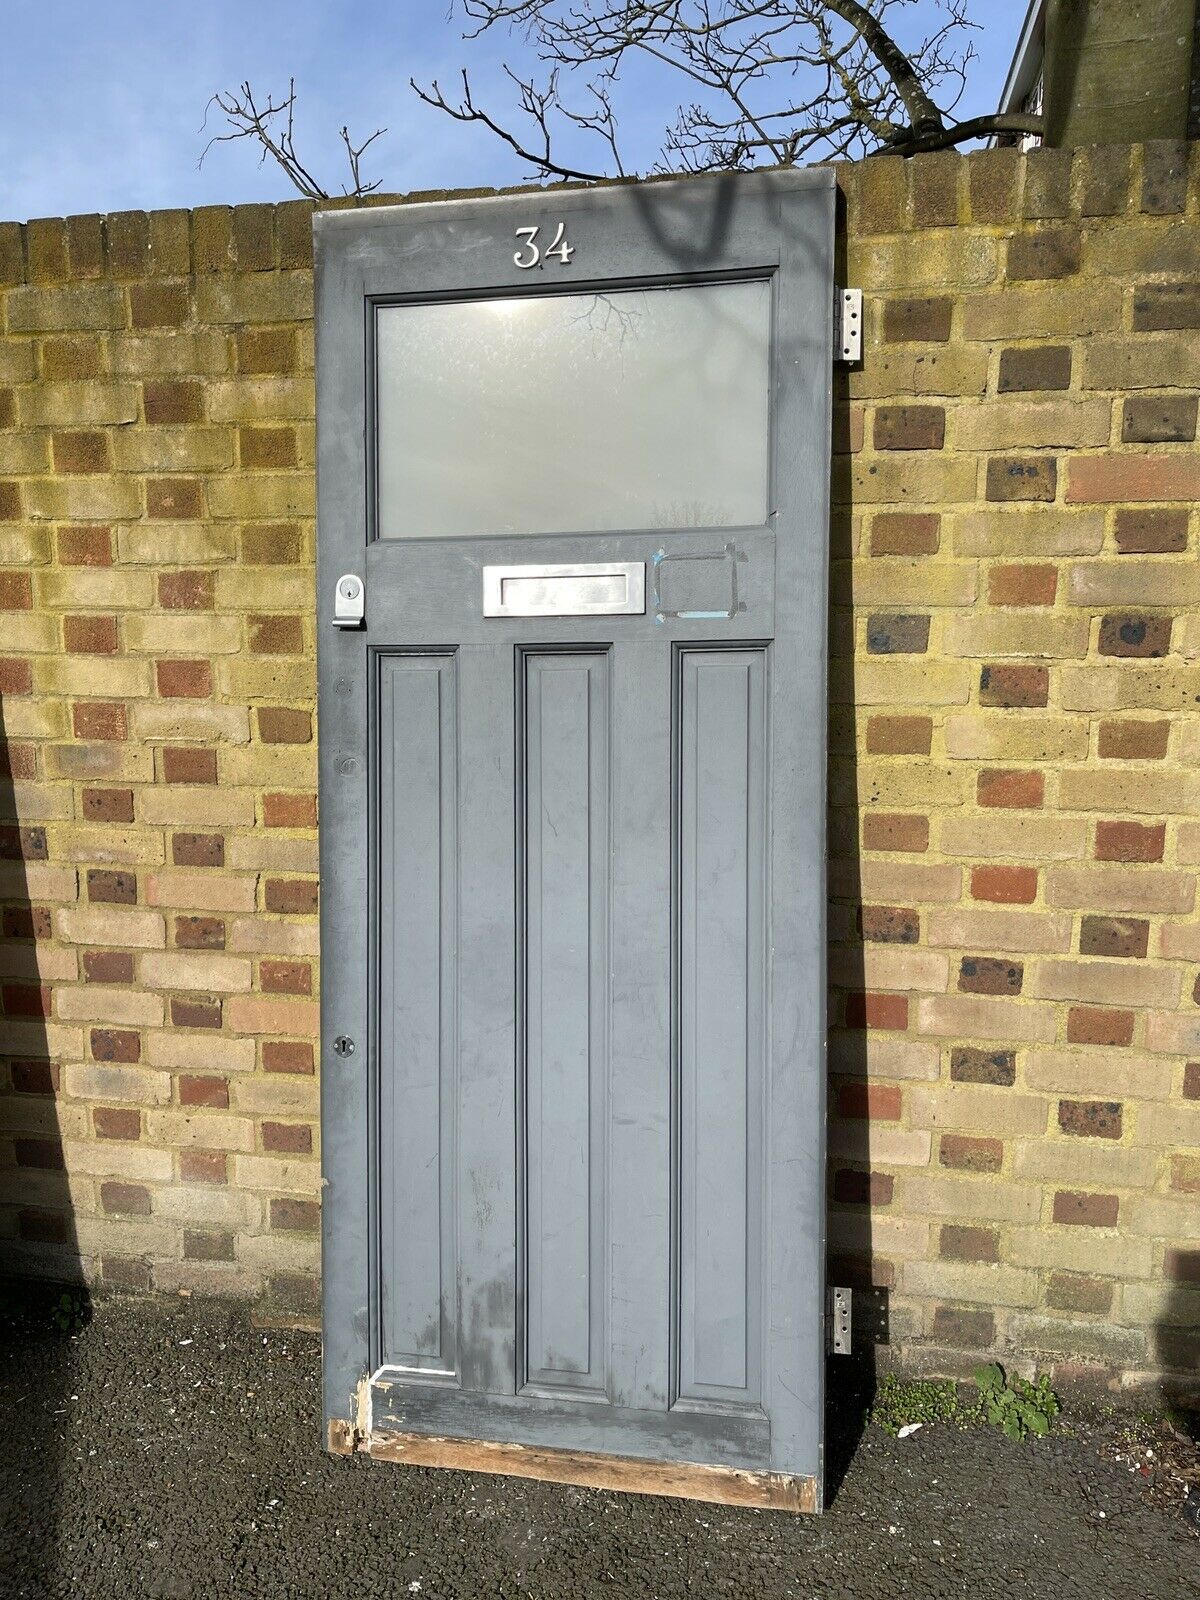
[769, 80]
[271, 126]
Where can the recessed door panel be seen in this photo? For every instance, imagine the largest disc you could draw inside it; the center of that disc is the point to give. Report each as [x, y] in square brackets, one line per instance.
[722, 755]
[567, 866]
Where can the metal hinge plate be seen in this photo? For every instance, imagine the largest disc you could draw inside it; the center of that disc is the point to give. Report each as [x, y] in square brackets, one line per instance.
[847, 325]
[837, 1320]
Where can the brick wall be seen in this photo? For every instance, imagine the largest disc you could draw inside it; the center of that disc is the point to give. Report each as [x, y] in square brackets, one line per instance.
[1014, 827]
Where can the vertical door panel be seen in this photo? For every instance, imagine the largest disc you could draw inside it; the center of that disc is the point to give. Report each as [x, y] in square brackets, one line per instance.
[417, 980]
[721, 762]
[566, 882]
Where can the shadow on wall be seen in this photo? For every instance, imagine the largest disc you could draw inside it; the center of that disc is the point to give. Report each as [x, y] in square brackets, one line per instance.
[1175, 1347]
[42, 1301]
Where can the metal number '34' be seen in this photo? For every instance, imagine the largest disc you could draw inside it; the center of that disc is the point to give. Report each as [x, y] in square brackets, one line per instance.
[532, 255]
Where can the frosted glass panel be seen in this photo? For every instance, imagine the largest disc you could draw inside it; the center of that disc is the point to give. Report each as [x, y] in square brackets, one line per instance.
[574, 413]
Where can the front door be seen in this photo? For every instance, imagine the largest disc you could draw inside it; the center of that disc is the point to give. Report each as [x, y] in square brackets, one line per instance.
[574, 452]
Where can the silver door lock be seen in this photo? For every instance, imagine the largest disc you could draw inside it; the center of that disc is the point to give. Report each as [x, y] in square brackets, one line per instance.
[349, 601]
[342, 1046]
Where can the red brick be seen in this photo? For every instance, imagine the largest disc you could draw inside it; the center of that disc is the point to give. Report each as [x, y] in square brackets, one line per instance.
[108, 966]
[1132, 476]
[34, 1077]
[1152, 531]
[117, 1122]
[10, 501]
[195, 1011]
[45, 1155]
[281, 725]
[291, 896]
[965, 1153]
[204, 1246]
[272, 545]
[1069, 1291]
[895, 634]
[116, 1044]
[959, 1243]
[990, 975]
[203, 1166]
[16, 677]
[893, 831]
[963, 1329]
[910, 427]
[125, 1199]
[103, 720]
[85, 547]
[202, 1089]
[1114, 936]
[971, 1064]
[1024, 583]
[108, 805]
[26, 922]
[1009, 686]
[1076, 1209]
[90, 636]
[1037, 367]
[1130, 841]
[884, 1011]
[173, 401]
[905, 533]
[889, 924]
[881, 1102]
[1099, 1025]
[199, 933]
[287, 1138]
[286, 1055]
[111, 888]
[275, 636]
[1181, 1266]
[918, 320]
[295, 1216]
[1138, 637]
[1122, 740]
[1022, 478]
[80, 450]
[1011, 886]
[289, 810]
[1090, 1119]
[285, 977]
[26, 999]
[184, 680]
[198, 849]
[23, 844]
[183, 765]
[1191, 1081]
[855, 1188]
[1043, 253]
[124, 1272]
[899, 736]
[169, 499]
[35, 1226]
[16, 592]
[186, 591]
[1021, 791]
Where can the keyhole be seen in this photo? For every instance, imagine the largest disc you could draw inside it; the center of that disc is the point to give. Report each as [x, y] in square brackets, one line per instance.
[342, 1046]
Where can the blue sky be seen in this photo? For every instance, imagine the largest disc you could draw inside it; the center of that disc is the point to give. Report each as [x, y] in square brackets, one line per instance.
[102, 101]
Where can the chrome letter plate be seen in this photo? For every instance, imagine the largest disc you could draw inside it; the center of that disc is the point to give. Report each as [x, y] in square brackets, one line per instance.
[581, 589]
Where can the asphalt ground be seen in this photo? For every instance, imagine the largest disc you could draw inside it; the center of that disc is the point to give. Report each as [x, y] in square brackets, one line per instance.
[175, 1452]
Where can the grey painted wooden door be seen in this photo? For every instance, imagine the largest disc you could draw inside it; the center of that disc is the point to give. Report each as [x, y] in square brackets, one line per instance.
[572, 861]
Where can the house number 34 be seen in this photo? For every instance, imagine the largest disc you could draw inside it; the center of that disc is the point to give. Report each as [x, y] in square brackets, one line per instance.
[531, 253]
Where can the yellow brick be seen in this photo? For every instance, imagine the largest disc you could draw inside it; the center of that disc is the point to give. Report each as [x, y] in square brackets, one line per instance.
[120, 1006]
[883, 1057]
[1029, 836]
[1021, 423]
[969, 1016]
[1117, 583]
[278, 1095]
[899, 480]
[892, 1237]
[112, 925]
[884, 1146]
[1116, 983]
[177, 544]
[265, 936]
[209, 1129]
[1083, 1164]
[183, 633]
[902, 682]
[263, 496]
[190, 722]
[263, 297]
[1098, 1075]
[197, 891]
[262, 854]
[908, 785]
[83, 499]
[889, 967]
[94, 589]
[1116, 888]
[300, 1177]
[27, 632]
[975, 1284]
[77, 405]
[131, 1085]
[26, 718]
[1001, 1112]
[195, 969]
[275, 589]
[1042, 311]
[109, 677]
[74, 307]
[262, 400]
[194, 449]
[186, 1052]
[107, 845]
[1174, 1035]
[961, 259]
[898, 883]
[24, 454]
[916, 583]
[37, 880]
[1162, 1219]
[990, 1199]
[197, 1205]
[984, 635]
[23, 547]
[204, 353]
[182, 806]
[1015, 932]
[1129, 686]
[1002, 737]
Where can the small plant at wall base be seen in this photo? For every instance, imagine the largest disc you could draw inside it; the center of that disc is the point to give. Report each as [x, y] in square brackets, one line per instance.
[1012, 1404]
